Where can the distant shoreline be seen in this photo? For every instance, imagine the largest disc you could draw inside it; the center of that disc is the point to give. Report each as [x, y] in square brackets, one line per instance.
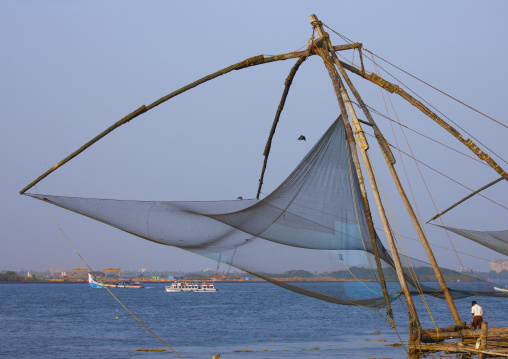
[145, 280]
[60, 281]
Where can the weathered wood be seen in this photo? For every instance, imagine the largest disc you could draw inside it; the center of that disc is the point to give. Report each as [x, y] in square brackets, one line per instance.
[377, 133]
[253, 61]
[454, 348]
[408, 205]
[117, 124]
[287, 85]
[431, 335]
[396, 89]
[339, 92]
[483, 336]
[466, 198]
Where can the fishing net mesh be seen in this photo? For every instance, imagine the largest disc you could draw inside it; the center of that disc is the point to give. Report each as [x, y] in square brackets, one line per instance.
[313, 223]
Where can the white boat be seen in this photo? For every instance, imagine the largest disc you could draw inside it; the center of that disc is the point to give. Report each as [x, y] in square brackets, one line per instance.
[183, 286]
[501, 289]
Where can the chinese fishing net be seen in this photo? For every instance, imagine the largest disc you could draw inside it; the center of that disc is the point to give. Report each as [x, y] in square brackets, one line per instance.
[313, 223]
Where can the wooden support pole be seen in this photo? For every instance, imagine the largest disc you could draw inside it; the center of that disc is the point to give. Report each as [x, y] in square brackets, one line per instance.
[416, 223]
[266, 153]
[323, 52]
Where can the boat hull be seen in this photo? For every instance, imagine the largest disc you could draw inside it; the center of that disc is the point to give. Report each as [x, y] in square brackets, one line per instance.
[184, 287]
[96, 284]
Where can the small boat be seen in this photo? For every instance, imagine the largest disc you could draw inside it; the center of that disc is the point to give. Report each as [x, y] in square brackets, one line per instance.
[122, 283]
[501, 289]
[182, 286]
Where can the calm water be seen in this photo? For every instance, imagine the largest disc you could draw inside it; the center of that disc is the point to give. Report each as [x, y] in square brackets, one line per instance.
[76, 321]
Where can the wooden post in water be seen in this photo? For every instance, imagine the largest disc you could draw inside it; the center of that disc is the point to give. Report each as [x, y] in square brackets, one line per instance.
[390, 162]
[483, 337]
[338, 87]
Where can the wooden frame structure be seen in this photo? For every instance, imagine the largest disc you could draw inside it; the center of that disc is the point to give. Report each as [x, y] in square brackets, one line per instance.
[322, 46]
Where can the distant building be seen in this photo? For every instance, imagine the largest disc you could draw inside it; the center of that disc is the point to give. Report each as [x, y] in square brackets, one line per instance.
[499, 265]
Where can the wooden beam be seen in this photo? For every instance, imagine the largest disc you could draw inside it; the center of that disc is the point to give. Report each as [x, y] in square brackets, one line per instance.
[466, 198]
[396, 89]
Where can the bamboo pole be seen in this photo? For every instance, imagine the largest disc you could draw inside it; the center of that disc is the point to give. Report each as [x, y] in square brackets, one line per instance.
[407, 203]
[465, 199]
[253, 61]
[289, 81]
[396, 89]
[338, 89]
[117, 124]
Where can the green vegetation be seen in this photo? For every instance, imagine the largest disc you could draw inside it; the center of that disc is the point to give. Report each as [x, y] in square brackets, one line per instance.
[11, 276]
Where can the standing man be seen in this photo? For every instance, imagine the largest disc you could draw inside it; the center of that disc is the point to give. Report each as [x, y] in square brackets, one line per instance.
[477, 313]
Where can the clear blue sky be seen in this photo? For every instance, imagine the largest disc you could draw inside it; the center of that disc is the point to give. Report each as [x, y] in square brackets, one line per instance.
[69, 69]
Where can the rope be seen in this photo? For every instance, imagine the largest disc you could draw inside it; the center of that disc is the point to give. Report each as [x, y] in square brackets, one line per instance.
[447, 177]
[438, 90]
[351, 183]
[109, 291]
[416, 78]
[409, 266]
[428, 102]
[421, 134]
[414, 158]
[377, 228]
[428, 191]
[442, 114]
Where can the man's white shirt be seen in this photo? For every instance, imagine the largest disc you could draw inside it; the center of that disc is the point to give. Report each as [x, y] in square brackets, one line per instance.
[477, 310]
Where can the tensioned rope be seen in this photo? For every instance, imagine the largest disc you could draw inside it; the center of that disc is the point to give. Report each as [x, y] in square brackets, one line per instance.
[408, 262]
[378, 228]
[407, 73]
[421, 98]
[444, 175]
[392, 323]
[425, 183]
[445, 116]
[351, 184]
[109, 291]
[373, 110]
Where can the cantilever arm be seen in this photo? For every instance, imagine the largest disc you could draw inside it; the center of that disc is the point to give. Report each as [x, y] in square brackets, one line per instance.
[253, 61]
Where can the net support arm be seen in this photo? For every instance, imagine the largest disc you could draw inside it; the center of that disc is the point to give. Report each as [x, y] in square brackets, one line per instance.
[117, 124]
[392, 88]
[266, 153]
[466, 198]
[252, 61]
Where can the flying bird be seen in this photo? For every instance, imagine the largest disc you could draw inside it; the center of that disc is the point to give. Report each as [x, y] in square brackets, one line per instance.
[302, 138]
